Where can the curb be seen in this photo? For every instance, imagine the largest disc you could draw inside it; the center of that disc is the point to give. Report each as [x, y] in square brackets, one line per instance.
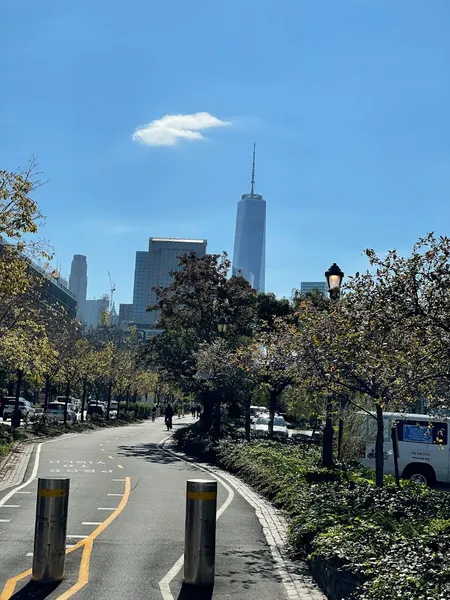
[295, 576]
[13, 468]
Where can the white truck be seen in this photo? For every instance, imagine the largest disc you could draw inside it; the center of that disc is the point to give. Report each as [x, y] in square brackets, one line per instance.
[423, 442]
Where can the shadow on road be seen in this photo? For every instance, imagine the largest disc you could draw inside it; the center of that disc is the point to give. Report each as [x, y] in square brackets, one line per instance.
[35, 591]
[150, 452]
[193, 592]
[255, 564]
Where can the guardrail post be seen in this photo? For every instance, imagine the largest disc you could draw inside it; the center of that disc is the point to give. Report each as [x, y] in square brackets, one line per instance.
[200, 532]
[50, 530]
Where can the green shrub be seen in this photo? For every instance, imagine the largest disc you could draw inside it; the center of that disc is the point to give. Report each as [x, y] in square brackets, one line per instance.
[394, 542]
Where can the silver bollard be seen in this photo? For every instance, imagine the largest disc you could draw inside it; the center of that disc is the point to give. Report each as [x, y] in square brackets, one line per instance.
[200, 533]
[50, 530]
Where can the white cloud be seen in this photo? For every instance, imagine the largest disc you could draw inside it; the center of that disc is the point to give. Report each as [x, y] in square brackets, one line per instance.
[170, 129]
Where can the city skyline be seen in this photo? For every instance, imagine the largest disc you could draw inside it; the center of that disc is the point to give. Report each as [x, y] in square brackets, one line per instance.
[348, 105]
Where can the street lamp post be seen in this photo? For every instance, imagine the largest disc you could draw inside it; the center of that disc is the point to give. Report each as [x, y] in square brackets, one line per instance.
[222, 326]
[334, 277]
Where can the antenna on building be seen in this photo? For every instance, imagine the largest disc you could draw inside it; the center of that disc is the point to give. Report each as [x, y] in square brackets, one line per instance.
[253, 170]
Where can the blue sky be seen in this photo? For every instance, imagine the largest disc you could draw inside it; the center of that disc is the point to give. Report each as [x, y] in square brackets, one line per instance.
[347, 100]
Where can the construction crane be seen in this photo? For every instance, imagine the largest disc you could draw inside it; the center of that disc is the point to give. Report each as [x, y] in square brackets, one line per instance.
[112, 289]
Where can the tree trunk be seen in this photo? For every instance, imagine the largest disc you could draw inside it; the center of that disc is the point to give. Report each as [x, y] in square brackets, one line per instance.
[379, 448]
[341, 429]
[217, 415]
[328, 435]
[83, 399]
[272, 409]
[127, 400]
[47, 391]
[108, 406]
[15, 420]
[248, 402]
[208, 408]
[66, 401]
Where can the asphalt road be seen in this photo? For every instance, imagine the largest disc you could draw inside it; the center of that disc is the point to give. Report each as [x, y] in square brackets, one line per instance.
[126, 513]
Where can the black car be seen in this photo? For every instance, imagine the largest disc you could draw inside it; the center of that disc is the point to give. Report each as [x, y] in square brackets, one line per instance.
[96, 409]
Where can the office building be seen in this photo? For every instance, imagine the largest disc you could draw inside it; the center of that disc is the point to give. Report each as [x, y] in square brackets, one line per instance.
[94, 311]
[153, 270]
[78, 282]
[249, 256]
[309, 286]
[125, 314]
[140, 289]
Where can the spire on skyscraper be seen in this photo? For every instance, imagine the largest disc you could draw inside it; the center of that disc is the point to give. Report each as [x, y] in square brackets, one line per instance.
[253, 170]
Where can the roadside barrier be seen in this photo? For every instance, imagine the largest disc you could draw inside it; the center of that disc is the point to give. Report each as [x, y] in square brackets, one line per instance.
[200, 532]
[50, 530]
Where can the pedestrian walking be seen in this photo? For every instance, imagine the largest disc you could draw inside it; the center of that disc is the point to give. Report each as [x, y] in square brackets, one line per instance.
[199, 411]
[168, 414]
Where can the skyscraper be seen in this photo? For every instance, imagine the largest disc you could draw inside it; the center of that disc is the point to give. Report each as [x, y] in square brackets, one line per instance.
[140, 289]
[309, 286]
[249, 256]
[164, 258]
[153, 269]
[78, 281]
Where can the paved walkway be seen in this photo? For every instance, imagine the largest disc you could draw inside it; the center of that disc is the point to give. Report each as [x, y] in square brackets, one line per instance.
[13, 467]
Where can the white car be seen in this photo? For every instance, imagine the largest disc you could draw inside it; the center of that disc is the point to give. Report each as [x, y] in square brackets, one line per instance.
[261, 427]
[55, 410]
[25, 407]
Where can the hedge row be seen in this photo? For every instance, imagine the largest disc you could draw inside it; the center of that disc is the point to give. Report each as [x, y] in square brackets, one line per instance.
[391, 544]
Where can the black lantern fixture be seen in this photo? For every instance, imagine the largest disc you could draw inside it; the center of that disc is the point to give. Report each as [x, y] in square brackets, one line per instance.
[334, 277]
[222, 326]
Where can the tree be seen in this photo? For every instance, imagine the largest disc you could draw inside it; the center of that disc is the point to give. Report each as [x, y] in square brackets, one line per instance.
[201, 293]
[359, 346]
[220, 377]
[26, 351]
[272, 360]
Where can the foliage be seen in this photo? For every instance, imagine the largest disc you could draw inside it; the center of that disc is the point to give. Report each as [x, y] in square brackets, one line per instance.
[393, 542]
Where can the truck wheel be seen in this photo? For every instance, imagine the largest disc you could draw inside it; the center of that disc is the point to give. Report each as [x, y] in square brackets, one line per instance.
[420, 473]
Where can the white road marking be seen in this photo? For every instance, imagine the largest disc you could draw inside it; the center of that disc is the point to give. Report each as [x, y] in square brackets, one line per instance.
[76, 537]
[164, 584]
[5, 520]
[92, 522]
[32, 477]
[103, 508]
[23, 492]
[29, 554]
[114, 494]
[11, 506]
[119, 479]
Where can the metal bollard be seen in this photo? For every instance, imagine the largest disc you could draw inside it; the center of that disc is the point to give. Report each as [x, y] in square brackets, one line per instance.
[50, 530]
[200, 533]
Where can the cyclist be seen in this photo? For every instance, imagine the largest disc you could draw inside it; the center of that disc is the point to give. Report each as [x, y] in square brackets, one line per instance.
[168, 414]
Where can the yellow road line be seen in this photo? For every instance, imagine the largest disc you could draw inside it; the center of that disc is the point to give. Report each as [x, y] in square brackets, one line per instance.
[10, 586]
[83, 574]
[111, 457]
[120, 466]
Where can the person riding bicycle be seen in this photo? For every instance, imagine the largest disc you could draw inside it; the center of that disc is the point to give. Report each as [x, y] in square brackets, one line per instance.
[153, 412]
[168, 414]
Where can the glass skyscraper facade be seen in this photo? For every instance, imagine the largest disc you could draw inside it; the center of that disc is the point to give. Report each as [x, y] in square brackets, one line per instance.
[249, 255]
[154, 269]
[140, 290]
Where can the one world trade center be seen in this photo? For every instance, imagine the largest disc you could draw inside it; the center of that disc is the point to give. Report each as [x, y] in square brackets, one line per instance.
[249, 256]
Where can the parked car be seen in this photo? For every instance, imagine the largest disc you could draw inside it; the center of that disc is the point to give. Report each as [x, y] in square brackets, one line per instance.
[25, 407]
[261, 427]
[96, 409]
[257, 411]
[55, 410]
